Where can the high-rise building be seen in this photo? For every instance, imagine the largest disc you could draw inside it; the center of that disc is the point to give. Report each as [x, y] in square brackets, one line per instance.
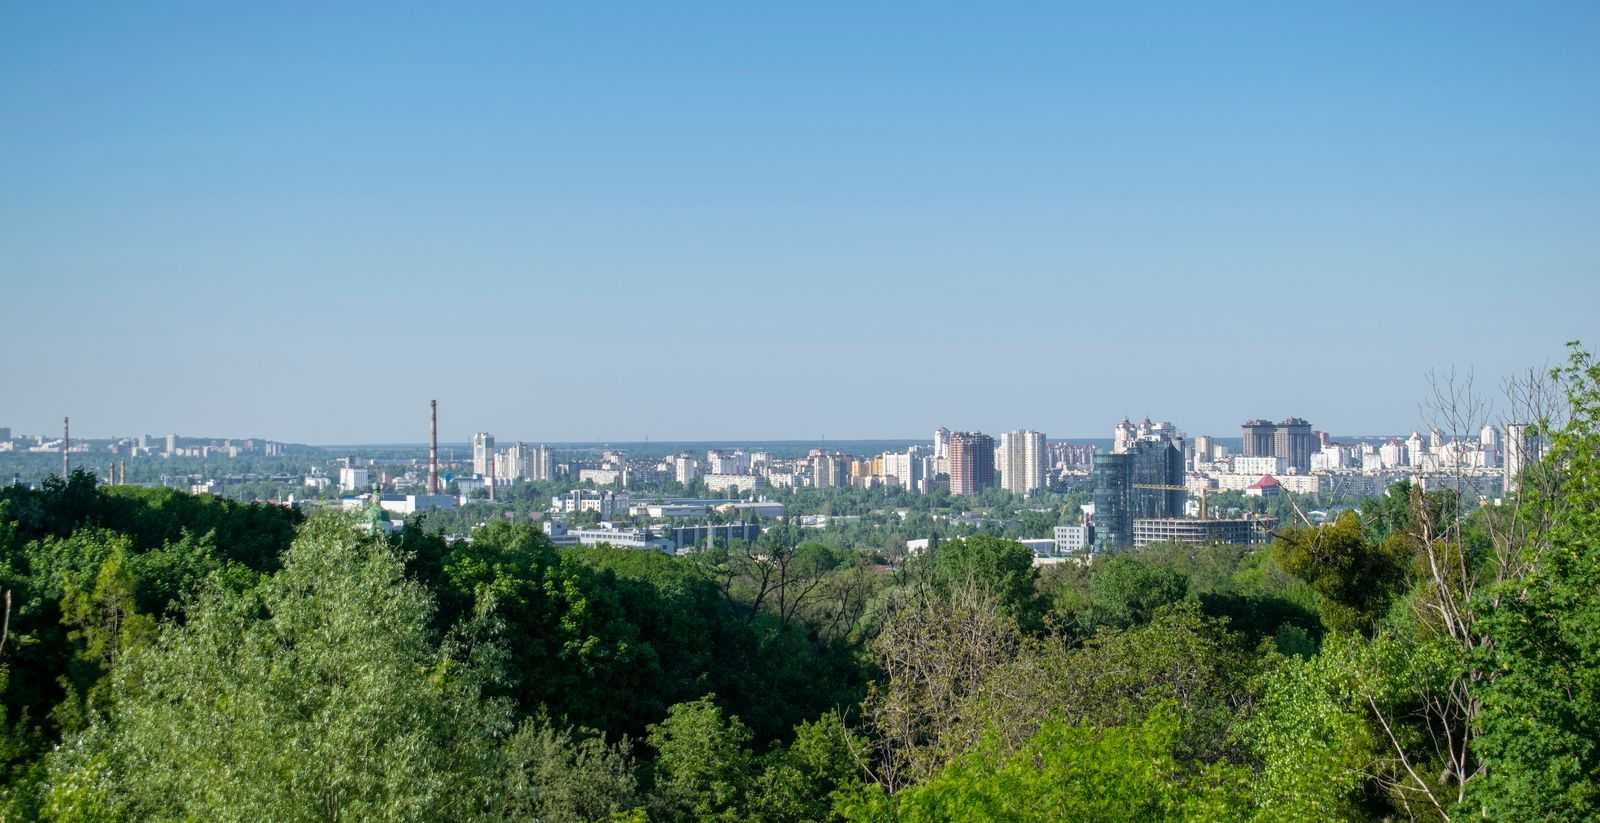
[971, 462]
[685, 469]
[520, 461]
[941, 442]
[906, 468]
[172, 444]
[1392, 454]
[1415, 450]
[1523, 448]
[829, 471]
[1118, 501]
[1122, 436]
[482, 454]
[1203, 449]
[1489, 442]
[1022, 458]
[1259, 438]
[718, 462]
[541, 463]
[1294, 442]
[513, 463]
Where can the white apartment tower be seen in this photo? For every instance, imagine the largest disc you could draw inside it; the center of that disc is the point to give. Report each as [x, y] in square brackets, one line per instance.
[1023, 461]
[541, 463]
[1122, 436]
[685, 469]
[1414, 450]
[1489, 441]
[907, 468]
[482, 454]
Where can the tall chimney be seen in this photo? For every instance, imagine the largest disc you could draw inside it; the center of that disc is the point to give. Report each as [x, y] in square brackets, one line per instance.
[433, 447]
[66, 446]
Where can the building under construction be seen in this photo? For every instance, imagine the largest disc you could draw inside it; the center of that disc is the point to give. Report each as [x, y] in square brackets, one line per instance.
[1244, 531]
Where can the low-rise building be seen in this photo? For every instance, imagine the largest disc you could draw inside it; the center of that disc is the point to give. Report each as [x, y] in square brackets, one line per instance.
[353, 479]
[1041, 547]
[690, 538]
[1267, 486]
[1258, 465]
[607, 503]
[606, 534]
[1074, 539]
[738, 483]
[1237, 531]
[413, 503]
[603, 477]
[760, 508]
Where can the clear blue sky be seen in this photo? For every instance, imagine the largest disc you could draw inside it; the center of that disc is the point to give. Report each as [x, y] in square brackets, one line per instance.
[750, 220]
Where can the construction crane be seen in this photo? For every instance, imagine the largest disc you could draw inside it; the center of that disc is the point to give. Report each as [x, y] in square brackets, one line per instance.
[1205, 513]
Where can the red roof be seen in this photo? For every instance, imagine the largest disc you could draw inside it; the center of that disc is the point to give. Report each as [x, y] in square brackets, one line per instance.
[1267, 481]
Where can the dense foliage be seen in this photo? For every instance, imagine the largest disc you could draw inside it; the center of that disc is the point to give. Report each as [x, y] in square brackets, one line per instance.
[164, 656]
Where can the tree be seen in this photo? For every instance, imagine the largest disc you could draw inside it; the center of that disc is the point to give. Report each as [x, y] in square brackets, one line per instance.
[703, 763]
[322, 695]
[1539, 731]
[1115, 678]
[800, 783]
[1313, 738]
[1004, 568]
[936, 649]
[1067, 772]
[557, 776]
[1122, 591]
[1354, 577]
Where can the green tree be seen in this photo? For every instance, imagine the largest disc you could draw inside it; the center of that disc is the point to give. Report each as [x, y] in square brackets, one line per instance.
[1539, 731]
[1123, 591]
[1116, 678]
[1312, 735]
[1002, 567]
[557, 776]
[1067, 772]
[703, 763]
[799, 783]
[1355, 578]
[322, 695]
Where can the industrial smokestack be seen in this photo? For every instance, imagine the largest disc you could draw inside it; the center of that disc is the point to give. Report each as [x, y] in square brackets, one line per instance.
[433, 447]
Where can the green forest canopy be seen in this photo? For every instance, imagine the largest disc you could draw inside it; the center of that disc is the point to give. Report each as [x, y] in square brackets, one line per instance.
[166, 656]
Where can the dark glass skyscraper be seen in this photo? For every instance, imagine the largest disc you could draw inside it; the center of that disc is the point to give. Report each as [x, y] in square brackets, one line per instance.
[1116, 500]
[1113, 521]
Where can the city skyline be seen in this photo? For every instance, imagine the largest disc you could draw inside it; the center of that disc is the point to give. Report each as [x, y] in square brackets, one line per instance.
[591, 221]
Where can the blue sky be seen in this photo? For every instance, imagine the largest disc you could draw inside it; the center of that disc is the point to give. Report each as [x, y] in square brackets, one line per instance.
[784, 220]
